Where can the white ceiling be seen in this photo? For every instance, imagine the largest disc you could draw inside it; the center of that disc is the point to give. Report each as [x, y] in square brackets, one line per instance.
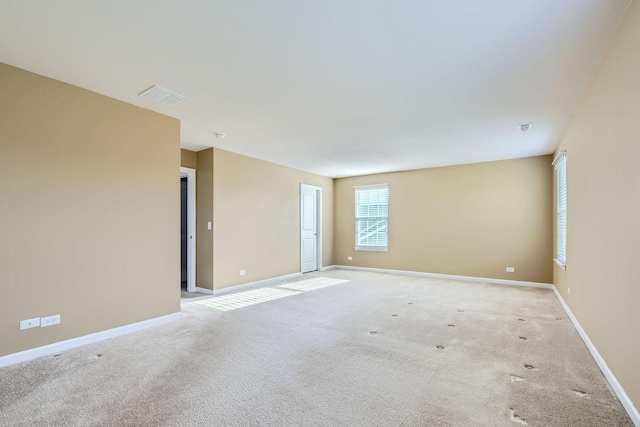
[335, 87]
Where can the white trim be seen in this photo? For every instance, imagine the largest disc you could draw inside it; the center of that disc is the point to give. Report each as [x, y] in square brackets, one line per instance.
[329, 267]
[371, 248]
[562, 154]
[560, 264]
[615, 385]
[384, 184]
[318, 191]
[256, 284]
[449, 276]
[191, 227]
[203, 290]
[320, 230]
[61, 346]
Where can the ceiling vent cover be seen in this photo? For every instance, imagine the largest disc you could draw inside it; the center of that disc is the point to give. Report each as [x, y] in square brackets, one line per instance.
[164, 96]
[525, 127]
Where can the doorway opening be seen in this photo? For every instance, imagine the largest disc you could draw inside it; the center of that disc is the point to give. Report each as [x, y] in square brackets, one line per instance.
[188, 229]
[184, 234]
[310, 228]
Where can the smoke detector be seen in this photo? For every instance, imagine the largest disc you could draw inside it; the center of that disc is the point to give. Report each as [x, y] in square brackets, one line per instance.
[164, 96]
[525, 127]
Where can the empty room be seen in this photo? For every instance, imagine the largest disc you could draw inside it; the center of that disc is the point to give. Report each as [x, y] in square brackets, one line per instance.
[319, 213]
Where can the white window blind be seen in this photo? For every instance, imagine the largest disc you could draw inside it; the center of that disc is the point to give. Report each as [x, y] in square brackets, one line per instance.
[561, 209]
[372, 214]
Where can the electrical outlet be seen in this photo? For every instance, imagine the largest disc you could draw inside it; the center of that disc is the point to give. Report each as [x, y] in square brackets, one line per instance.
[349, 258]
[50, 321]
[209, 225]
[242, 272]
[511, 270]
[569, 291]
[30, 323]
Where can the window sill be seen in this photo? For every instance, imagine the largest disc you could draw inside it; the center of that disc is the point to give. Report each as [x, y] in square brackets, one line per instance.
[561, 265]
[372, 248]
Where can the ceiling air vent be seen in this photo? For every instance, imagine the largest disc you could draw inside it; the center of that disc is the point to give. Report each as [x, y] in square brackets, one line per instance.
[163, 96]
[525, 127]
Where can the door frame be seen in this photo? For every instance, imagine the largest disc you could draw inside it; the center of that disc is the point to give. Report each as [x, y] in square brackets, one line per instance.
[318, 224]
[190, 174]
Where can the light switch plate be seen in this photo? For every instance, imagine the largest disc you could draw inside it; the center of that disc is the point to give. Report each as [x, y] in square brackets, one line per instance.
[50, 321]
[30, 323]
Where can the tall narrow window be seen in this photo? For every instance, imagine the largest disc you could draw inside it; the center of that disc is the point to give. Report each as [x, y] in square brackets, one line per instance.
[561, 209]
[372, 213]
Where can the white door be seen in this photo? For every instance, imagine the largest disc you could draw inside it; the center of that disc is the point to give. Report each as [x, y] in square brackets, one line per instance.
[308, 228]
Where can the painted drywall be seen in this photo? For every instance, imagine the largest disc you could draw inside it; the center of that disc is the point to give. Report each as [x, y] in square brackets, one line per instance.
[89, 211]
[204, 215]
[469, 220]
[188, 159]
[257, 218]
[603, 211]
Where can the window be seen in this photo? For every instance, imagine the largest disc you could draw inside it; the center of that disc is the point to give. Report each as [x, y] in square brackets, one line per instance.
[561, 209]
[372, 213]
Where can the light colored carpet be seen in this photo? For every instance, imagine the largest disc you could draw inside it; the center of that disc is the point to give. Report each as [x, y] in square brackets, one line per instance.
[369, 350]
[185, 294]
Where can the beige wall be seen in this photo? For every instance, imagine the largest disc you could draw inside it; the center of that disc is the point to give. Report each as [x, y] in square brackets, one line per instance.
[603, 212]
[204, 214]
[469, 220]
[188, 159]
[89, 211]
[257, 218]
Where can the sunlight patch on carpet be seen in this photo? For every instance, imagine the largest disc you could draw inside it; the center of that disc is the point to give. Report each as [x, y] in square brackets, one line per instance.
[245, 299]
[313, 284]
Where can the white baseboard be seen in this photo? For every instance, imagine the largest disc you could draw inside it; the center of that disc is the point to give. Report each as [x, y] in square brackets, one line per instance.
[61, 346]
[617, 388]
[449, 276]
[257, 284]
[246, 286]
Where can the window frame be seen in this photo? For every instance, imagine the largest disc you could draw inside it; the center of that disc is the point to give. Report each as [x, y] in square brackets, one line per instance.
[372, 248]
[560, 166]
